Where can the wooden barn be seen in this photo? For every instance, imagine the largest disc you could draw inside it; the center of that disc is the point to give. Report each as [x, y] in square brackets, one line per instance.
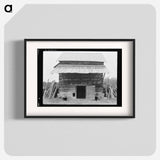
[81, 75]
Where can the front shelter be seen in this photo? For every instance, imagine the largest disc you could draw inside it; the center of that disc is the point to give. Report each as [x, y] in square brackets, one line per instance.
[81, 75]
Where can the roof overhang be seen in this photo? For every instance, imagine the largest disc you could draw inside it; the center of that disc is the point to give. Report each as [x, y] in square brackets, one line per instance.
[63, 68]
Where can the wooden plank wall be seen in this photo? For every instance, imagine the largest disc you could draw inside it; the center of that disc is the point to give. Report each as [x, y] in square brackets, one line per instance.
[81, 79]
[92, 81]
[90, 92]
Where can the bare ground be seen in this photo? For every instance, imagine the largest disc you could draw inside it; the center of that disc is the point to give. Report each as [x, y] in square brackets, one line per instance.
[105, 100]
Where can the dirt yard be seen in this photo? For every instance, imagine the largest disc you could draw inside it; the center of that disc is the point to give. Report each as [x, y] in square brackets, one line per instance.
[105, 100]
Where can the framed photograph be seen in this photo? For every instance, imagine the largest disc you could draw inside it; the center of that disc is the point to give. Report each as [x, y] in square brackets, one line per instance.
[79, 78]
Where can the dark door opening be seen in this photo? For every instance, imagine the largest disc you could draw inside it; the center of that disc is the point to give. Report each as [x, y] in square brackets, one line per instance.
[81, 92]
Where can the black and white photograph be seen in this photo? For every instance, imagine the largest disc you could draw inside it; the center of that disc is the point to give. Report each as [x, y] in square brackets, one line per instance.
[80, 77]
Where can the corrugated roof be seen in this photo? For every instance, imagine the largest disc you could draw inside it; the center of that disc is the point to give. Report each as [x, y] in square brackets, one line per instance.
[82, 56]
[63, 68]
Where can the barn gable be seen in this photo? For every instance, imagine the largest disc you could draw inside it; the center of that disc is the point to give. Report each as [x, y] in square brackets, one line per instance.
[80, 63]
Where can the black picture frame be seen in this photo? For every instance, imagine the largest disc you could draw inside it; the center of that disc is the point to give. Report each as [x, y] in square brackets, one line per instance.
[25, 76]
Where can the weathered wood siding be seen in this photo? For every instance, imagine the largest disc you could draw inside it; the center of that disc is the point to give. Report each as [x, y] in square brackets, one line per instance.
[92, 81]
[90, 92]
[81, 79]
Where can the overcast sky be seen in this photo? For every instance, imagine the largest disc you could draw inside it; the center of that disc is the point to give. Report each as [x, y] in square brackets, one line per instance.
[50, 60]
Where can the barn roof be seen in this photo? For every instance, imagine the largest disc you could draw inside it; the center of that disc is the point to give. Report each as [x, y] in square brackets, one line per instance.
[82, 56]
[65, 68]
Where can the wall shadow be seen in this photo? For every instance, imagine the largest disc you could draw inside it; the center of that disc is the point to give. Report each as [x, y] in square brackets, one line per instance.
[19, 79]
[14, 79]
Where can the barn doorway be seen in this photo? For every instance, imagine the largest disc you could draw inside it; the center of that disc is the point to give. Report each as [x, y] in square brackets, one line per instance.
[81, 91]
